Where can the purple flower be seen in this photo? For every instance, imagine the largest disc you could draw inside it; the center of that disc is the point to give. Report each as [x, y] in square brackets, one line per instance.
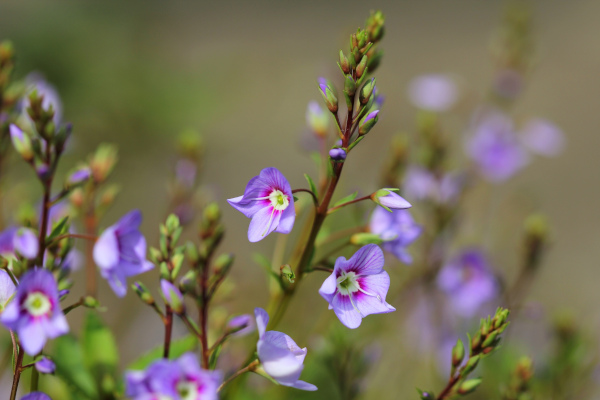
[279, 355]
[433, 92]
[268, 201]
[79, 176]
[172, 296]
[542, 137]
[121, 252]
[45, 365]
[179, 379]
[35, 312]
[398, 230]
[468, 281]
[390, 200]
[495, 149]
[241, 325]
[26, 243]
[36, 396]
[337, 154]
[358, 286]
[7, 289]
[368, 122]
[421, 184]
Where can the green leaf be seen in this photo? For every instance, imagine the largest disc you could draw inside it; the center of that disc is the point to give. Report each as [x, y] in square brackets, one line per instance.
[311, 184]
[68, 357]
[59, 229]
[346, 199]
[214, 357]
[178, 347]
[100, 351]
[264, 262]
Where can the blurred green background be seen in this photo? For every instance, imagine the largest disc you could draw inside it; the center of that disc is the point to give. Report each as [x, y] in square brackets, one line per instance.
[136, 73]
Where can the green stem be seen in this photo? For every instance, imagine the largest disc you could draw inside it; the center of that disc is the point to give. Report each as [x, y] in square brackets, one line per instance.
[333, 209]
[249, 368]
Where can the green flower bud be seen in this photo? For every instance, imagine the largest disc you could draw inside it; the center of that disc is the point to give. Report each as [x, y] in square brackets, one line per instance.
[143, 293]
[368, 122]
[344, 65]
[328, 95]
[360, 68]
[458, 353]
[349, 85]
[363, 238]
[469, 386]
[367, 91]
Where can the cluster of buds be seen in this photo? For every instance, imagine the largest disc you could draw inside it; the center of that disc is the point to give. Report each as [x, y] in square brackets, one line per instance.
[520, 381]
[9, 91]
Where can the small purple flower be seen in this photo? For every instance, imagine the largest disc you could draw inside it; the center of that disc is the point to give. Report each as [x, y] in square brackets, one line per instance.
[45, 366]
[337, 154]
[468, 281]
[279, 355]
[269, 202]
[542, 137]
[36, 396]
[398, 230]
[35, 312]
[79, 176]
[358, 286]
[495, 148]
[241, 325]
[7, 289]
[368, 122]
[172, 296]
[388, 199]
[421, 184]
[433, 92]
[179, 379]
[26, 243]
[121, 252]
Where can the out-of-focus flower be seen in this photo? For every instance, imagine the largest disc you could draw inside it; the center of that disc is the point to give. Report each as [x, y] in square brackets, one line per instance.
[45, 366]
[78, 177]
[421, 184]
[121, 252]
[185, 172]
[398, 230]
[35, 313]
[328, 94]
[172, 296]
[435, 92]
[542, 137]
[26, 242]
[388, 199]
[495, 148]
[181, 379]
[21, 142]
[269, 202]
[241, 325]
[279, 355]
[317, 119]
[358, 286]
[7, 289]
[36, 396]
[468, 281]
[36, 81]
[508, 83]
[337, 154]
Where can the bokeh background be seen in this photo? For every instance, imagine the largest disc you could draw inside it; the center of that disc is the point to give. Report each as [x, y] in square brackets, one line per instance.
[137, 73]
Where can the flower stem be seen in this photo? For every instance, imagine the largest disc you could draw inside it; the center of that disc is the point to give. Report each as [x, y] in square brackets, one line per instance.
[249, 368]
[314, 196]
[168, 331]
[17, 375]
[333, 209]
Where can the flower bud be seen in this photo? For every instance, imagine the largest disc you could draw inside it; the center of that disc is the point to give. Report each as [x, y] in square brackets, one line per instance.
[91, 302]
[212, 213]
[328, 95]
[337, 154]
[172, 296]
[387, 199]
[61, 137]
[287, 272]
[26, 243]
[241, 325]
[187, 284]
[458, 353]
[363, 238]
[469, 386]
[367, 91]
[45, 366]
[360, 68]
[223, 263]
[143, 292]
[374, 60]
[344, 65]
[317, 119]
[368, 122]
[103, 162]
[21, 142]
[471, 365]
[43, 171]
[78, 177]
[349, 85]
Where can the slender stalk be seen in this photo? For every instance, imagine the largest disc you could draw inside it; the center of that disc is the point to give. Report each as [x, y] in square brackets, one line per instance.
[333, 209]
[204, 314]
[17, 376]
[168, 331]
[249, 368]
[314, 196]
[90, 221]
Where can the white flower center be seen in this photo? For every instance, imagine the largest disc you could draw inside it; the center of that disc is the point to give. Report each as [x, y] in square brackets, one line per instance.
[279, 201]
[347, 283]
[37, 304]
[187, 390]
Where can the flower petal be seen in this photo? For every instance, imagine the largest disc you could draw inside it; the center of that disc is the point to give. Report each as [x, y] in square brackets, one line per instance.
[304, 386]
[262, 320]
[129, 222]
[286, 223]
[263, 222]
[32, 337]
[367, 260]
[275, 179]
[342, 306]
[106, 249]
[328, 288]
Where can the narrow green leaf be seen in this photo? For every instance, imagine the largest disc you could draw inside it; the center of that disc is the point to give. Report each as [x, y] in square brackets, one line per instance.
[214, 357]
[346, 199]
[311, 184]
[100, 352]
[70, 367]
[58, 229]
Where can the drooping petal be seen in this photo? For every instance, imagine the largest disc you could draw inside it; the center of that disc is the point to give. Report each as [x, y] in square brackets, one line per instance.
[117, 280]
[304, 386]
[32, 337]
[246, 207]
[263, 222]
[279, 363]
[367, 260]
[345, 311]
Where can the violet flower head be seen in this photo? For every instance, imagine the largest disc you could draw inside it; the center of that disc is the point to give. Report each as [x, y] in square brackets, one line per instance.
[7, 289]
[435, 92]
[468, 281]
[398, 229]
[495, 148]
[542, 137]
[35, 312]
[279, 355]
[390, 200]
[269, 202]
[241, 325]
[358, 286]
[180, 379]
[121, 252]
[337, 154]
[36, 396]
[45, 366]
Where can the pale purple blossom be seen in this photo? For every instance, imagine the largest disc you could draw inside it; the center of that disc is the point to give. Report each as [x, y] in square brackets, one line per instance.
[468, 282]
[542, 137]
[269, 202]
[23, 241]
[179, 379]
[495, 148]
[422, 184]
[358, 286]
[185, 172]
[45, 365]
[121, 252]
[7, 289]
[280, 356]
[397, 229]
[36, 396]
[35, 312]
[241, 325]
[434, 92]
[389, 199]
